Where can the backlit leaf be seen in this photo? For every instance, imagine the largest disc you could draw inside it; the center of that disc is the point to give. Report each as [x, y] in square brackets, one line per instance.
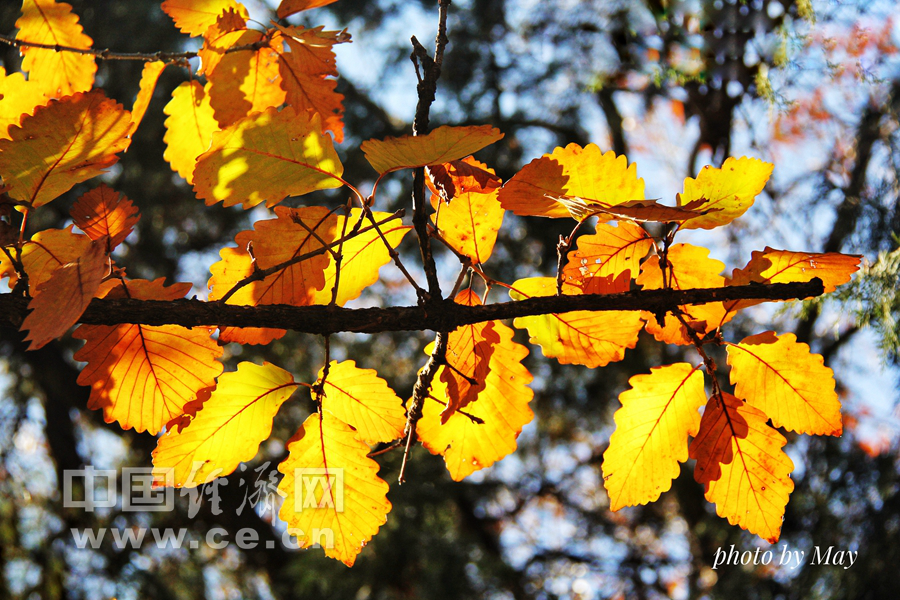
[502, 408]
[634, 210]
[571, 171]
[610, 251]
[44, 253]
[457, 177]
[189, 128]
[731, 189]
[61, 300]
[363, 400]
[658, 414]
[742, 465]
[18, 98]
[194, 17]
[149, 76]
[290, 7]
[105, 212]
[442, 145]
[229, 427]
[792, 386]
[332, 493]
[287, 146]
[593, 339]
[64, 143]
[143, 376]
[57, 73]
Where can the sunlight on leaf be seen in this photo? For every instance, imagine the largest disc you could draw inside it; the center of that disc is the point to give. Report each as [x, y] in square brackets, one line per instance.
[439, 146]
[363, 400]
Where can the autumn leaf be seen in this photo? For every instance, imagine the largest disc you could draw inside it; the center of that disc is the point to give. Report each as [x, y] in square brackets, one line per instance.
[362, 257]
[658, 414]
[731, 189]
[457, 177]
[18, 98]
[470, 223]
[61, 299]
[189, 128]
[610, 251]
[290, 7]
[593, 339]
[143, 376]
[194, 17]
[332, 493]
[571, 171]
[361, 399]
[228, 428]
[742, 465]
[287, 146]
[219, 40]
[57, 73]
[104, 212]
[45, 252]
[501, 410]
[149, 76]
[688, 267]
[442, 145]
[64, 143]
[634, 210]
[792, 386]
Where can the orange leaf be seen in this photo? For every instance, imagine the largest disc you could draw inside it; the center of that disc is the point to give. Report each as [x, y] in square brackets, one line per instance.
[57, 73]
[457, 177]
[104, 212]
[18, 98]
[60, 301]
[64, 143]
[634, 210]
[571, 171]
[690, 267]
[363, 256]
[143, 376]
[194, 17]
[219, 39]
[245, 82]
[789, 384]
[593, 339]
[469, 352]
[361, 399]
[44, 253]
[470, 223]
[189, 128]
[227, 430]
[610, 251]
[502, 408]
[274, 242]
[266, 157]
[290, 7]
[731, 189]
[742, 465]
[658, 414]
[149, 76]
[332, 493]
[442, 145]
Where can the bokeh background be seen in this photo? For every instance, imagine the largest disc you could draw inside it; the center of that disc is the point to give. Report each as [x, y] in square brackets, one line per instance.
[813, 87]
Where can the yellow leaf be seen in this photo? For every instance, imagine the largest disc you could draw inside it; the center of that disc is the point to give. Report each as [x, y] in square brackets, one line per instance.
[286, 146]
[742, 465]
[104, 212]
[189, 128]
[57, 73]
[194, 17]
[227, 430]
[502, 408]
[363, 256]
[658, 414]
[610, 251]
[332, 493]
[289, 7]
[361, 399]
[731, 189]
[633, 210]
[790, 385]
[571, 171]
[64, 143]
[18, 98]
[471, 221]
[219, 39]
[44, 253]
[143, 376]
[593, 339]
[61, 300]
[149, 76]
[442, 145]
[690, 267]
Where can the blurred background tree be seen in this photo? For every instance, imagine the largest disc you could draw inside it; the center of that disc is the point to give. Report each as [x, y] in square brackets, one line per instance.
[674, 85]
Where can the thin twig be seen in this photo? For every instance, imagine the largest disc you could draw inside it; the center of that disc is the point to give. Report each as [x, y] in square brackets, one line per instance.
[393, 253]
[470, 416]
[422, 390]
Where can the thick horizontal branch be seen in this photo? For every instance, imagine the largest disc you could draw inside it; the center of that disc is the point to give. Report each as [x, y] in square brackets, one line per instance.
[444, 315]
